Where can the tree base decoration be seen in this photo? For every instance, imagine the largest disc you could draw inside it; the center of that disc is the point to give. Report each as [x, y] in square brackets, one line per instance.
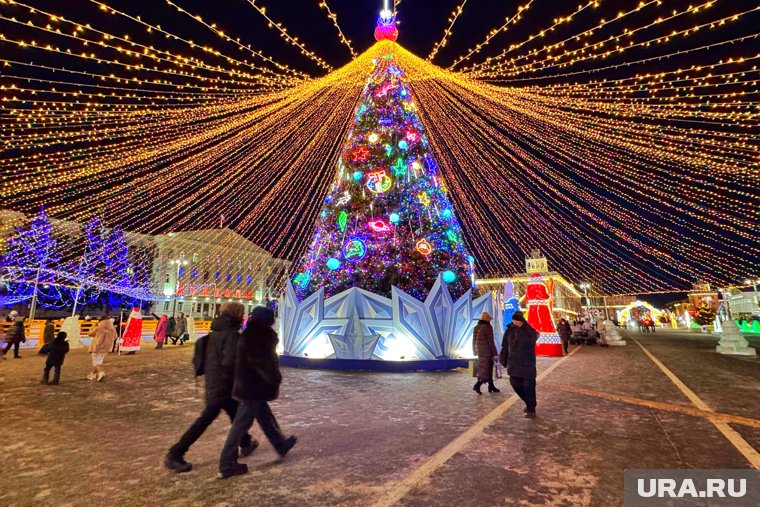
[358, 325]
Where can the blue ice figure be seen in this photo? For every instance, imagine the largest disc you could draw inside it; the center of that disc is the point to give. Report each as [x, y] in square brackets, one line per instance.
[511, 303]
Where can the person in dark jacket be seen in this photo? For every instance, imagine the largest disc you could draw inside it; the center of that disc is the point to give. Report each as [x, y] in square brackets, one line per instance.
[518, 352]
[219, 368]
[564, 333]
[171, 326]
[180, 330]
[14, 337]
[58, 350]
[257, 381]
[484, 347]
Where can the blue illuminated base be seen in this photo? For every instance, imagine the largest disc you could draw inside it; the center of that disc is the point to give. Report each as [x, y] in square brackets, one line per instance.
[358, 325]
[373, 364]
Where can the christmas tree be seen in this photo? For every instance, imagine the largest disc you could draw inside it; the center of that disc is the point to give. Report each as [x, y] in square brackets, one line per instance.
[705, 314]
[387, 220]
[31, 255]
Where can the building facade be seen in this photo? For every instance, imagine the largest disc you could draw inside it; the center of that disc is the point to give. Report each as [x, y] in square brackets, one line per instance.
[196, 271]
[565, 297]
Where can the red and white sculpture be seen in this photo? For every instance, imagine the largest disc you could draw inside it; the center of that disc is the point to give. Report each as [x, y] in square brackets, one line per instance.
[540, 317]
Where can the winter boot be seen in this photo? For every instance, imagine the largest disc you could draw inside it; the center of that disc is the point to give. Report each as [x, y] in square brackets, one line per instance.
[287, 445]
[492, 388]
[177, 464]
[236, 469]
[247, 448]
[476, 387]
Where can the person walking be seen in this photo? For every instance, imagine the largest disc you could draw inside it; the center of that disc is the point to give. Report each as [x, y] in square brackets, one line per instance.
[219, 366]
[484, 347]
[564, 333]
[171, 325]
[181, 330]
[518, 352]
[257, 382]
[14, 337]
[48, 335]
[58, 350]
[159, 336]
[103, 337]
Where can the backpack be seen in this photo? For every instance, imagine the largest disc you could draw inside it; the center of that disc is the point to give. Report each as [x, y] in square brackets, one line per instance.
[199, 356]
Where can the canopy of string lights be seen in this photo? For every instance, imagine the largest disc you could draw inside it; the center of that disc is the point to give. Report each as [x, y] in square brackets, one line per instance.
[619, 139]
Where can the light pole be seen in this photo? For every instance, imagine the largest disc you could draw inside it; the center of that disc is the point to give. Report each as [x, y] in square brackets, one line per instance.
[179, 262]
[585, 288]
[754, 284]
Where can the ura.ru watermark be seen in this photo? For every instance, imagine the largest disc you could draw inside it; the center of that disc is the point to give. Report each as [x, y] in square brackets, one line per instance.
[692, 487]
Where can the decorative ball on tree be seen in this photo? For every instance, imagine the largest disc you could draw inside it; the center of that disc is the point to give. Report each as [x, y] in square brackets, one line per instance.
[705, 314]
[387, 220]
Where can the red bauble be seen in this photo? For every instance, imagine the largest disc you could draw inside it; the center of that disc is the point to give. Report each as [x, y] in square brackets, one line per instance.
[386, 32]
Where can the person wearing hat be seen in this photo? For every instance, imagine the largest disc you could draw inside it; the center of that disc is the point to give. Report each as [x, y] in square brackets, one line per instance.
[14, 337]
[484, 347]
[518, 352]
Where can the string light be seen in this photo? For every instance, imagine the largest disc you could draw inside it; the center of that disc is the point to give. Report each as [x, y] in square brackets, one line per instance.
[535, 66]
[334, 18]
[493, 33]
[447, 33]
[650, 177]
[292, 40]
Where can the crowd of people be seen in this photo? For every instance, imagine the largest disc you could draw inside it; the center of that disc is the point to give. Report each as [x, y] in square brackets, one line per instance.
[518, 354]
[242, 376]
[240, 365]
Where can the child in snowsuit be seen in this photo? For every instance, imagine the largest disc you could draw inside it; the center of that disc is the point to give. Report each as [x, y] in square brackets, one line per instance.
[58, 350]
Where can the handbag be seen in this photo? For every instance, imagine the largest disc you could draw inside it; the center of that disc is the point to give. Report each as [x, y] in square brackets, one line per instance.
[473, 367]
[497, 368]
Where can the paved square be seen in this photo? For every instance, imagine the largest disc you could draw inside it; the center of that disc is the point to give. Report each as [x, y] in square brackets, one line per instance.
[374, 439]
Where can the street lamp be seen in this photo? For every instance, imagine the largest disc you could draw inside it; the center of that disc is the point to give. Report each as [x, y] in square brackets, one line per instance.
[754, 284]
[585, 288]
[179, 262]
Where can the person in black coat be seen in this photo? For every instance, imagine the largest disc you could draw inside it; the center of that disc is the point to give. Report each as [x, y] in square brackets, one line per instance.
[518, 352]
[565, 333]
[14, 337]
[257, 381]
[56, 353]
[219, 369]
[171, 326]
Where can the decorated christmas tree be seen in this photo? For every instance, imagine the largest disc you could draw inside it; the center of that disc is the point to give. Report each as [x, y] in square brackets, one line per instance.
[386, 220]
[27, 264]
[705, 314]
